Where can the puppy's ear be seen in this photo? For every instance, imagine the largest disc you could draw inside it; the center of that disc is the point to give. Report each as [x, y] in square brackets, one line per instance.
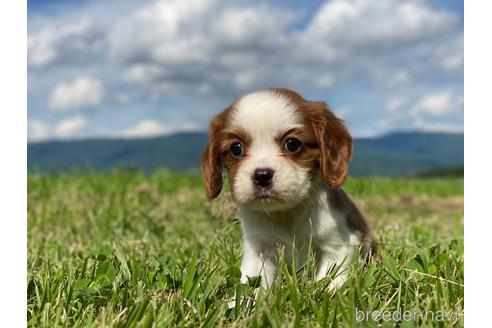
[335, 144]
[211, 163]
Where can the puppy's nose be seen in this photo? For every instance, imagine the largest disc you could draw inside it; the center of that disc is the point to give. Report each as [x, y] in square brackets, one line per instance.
[263, 177]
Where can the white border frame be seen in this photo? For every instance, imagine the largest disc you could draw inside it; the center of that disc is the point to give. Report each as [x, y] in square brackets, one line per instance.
[478, 164]
[13, 172]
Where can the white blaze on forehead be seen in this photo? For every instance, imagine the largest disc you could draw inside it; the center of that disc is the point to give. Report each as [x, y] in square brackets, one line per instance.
[265, 114]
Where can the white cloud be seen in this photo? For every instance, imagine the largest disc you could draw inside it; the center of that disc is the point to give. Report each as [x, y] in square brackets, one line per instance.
[74, 42]
[450, 56]
[437, 104]
[372, 24]
[151, 128]
[395, 104]
[436, 111]
[142, 74]
[70, 127]
[143, 129]
[36, 130]
[161, 30]
[265, 26]
[81, 92]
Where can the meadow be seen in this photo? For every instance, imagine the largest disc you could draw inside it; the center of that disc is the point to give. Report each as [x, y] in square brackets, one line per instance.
[124, 249]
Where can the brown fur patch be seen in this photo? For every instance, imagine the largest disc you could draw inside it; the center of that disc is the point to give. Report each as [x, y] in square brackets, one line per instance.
[332, 138]
[212, 157]
[309, 154]
[217, 155]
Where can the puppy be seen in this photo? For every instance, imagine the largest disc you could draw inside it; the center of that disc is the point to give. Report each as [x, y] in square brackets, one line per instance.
[286, 159]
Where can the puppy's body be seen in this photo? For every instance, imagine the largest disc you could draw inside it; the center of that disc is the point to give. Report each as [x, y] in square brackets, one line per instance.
[316, 224]
[286, 159]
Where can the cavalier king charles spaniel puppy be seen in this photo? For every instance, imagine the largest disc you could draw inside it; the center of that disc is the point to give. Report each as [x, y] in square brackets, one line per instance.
[286, 159]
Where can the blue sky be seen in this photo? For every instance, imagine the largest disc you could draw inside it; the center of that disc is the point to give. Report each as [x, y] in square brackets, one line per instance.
[120, 68]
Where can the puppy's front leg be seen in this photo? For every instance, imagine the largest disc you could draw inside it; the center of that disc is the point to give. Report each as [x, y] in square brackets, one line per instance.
[258, 263]
[326, 264]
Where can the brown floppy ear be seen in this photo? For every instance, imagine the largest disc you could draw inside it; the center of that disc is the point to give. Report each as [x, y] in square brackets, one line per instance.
[335, 144]
[211, 163]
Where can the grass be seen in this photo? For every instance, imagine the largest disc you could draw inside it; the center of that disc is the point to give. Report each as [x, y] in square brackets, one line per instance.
[126, 250]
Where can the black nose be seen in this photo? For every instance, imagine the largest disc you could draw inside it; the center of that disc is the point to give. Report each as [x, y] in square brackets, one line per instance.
[263, 177]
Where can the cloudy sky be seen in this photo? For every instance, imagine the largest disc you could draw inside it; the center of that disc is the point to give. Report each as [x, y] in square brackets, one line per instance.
[125, 68]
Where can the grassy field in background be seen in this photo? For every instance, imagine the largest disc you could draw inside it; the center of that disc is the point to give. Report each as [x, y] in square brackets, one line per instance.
[127, 250]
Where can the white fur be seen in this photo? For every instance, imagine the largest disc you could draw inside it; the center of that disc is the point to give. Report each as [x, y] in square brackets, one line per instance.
[300, 212]
[264, 114]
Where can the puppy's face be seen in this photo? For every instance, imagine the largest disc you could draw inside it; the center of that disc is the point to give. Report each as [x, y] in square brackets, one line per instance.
[274, 145]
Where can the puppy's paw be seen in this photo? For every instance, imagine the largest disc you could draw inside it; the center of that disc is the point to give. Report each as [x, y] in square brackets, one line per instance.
[244, 300]
[231, 303]
[337, 282]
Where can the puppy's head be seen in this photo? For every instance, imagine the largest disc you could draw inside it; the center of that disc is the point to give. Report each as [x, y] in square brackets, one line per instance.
[274, 145]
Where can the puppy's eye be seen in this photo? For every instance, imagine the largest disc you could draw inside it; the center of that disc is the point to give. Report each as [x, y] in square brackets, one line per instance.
[292, 145]
[237, 149]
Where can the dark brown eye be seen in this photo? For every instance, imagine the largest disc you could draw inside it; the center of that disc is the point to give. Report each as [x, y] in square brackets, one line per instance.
[292, 145]
[237, 149]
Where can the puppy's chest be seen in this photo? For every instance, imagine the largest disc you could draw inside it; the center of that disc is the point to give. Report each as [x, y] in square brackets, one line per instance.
[293, 229]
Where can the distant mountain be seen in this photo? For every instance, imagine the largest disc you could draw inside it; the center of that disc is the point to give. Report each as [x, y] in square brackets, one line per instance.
[452, 172]
[407, 153]
[179, 152]
[403, 153]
